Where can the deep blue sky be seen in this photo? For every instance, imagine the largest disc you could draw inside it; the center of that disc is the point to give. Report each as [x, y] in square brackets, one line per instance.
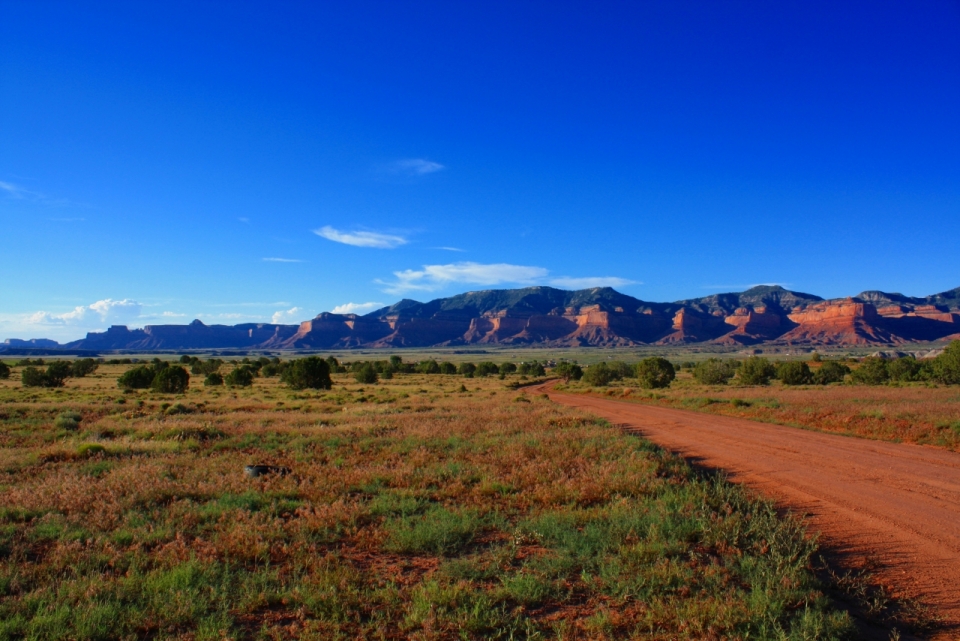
[154, 155]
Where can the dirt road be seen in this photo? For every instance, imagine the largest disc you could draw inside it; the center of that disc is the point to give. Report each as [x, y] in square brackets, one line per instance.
[896, 503]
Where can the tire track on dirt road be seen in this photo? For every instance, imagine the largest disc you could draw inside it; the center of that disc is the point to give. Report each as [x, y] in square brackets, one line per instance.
[896, 503]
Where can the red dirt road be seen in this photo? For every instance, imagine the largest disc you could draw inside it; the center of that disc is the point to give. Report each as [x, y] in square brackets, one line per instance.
[898, 504]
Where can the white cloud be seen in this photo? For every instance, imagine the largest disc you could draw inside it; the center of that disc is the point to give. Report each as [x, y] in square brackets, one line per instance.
[282, 260]
[433, 277]
[589, 282]
[416, 167]
[356, 308]
[171, 315]
[102, 312]
[361, 238]
[287, 317]
[450, 249]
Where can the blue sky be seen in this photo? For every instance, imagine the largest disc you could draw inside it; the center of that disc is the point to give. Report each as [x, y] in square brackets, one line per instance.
[249, 162]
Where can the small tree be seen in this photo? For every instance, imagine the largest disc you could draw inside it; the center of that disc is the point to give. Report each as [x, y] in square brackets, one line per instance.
[487, 368]
[4, 370]
[54, 376]
[171, 380]
[448, 368]
[621, 370]
[33, 377]
[713, 371]
[655, 373]
[396, 361]
[830, 372]
[872, 371]
[567, 370]
[507, 368]
[467, 370]
[756, 370]
[307, 373]
[270, 370]
[903, 370]
[240, 377]
[213, 380]
[58, 372]
[532, 368]
[598, 375]
[140, 377]
[794, 373]
[428, 367]
[367, 374]
[946, 367]
[83, 367]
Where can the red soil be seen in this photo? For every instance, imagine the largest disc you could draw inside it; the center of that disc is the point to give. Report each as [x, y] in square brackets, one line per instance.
[896, 504]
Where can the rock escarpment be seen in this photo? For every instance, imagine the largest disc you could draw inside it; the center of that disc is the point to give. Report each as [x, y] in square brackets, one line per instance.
[602, 317]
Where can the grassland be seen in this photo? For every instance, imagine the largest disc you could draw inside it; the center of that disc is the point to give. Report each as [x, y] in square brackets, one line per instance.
[921, 413]
[421, 507]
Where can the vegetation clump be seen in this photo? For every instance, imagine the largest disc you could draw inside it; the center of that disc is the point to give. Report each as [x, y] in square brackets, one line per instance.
[83, 367]
[872, 371]
[68, 420]
[311, 372]
[946, 367]
[366, 374]
[830, 372]
[240, 377]
[655, 373]
[139, 377]
[756, 370]
[794, 373]
[714, 371]
[567, 371]
[531, 368]
[54, 376]
[171, 380]
[600, 374]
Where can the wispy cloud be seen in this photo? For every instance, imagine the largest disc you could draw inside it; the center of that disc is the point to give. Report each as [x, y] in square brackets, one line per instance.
[282, 260]
[286, 316]
[415, 167]
[356, 308]
[15, 191]
[433, 277]
[451, 249]
[589, 282]
[18, 192]
[361, 238]
[244, 219]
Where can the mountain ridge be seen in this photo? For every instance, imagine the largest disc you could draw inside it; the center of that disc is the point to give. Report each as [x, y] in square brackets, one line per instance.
[547, 316]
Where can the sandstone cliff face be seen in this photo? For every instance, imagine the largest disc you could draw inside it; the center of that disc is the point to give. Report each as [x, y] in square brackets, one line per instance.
[594, 317]
[846, 322]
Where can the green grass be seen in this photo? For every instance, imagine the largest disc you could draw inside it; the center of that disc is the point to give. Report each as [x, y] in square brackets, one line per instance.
[425, 514]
